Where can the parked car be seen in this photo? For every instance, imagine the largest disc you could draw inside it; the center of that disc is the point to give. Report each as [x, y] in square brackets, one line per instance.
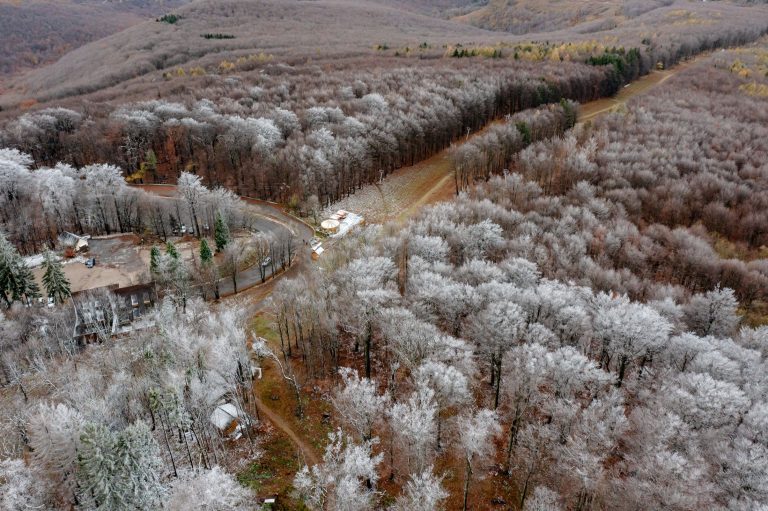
[90, 263]
[266, 261]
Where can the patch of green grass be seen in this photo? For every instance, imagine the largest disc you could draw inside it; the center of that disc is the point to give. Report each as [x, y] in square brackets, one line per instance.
[254, 476]
[273, 472]
[262, 326]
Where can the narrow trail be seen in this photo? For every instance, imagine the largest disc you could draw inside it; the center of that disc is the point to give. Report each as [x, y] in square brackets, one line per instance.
[309, 455]
[404, 192]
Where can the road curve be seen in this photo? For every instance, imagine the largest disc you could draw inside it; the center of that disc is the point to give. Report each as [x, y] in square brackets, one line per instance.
[270, 214]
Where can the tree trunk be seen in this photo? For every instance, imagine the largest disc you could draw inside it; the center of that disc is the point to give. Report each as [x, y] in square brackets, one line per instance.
[368, 339]
[466, 484]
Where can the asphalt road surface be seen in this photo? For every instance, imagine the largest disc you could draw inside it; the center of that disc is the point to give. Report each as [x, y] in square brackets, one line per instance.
[269, 219]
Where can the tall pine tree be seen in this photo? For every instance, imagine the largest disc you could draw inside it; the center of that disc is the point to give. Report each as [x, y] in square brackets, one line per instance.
[206, 256]
[154, 260]
[120, 470]
[98, 469]
[16, 279]
[220, 233]
[55, 282]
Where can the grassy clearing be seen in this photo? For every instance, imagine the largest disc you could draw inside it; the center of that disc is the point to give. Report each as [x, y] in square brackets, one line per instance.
[756, 314]
[273, 472]
[283, 457]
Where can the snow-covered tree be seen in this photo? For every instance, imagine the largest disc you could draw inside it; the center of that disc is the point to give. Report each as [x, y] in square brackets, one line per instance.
[16, 279]
[54, 435]
[359, 403]
[630, 332]
[543, 499]
[119, 470]
[713, 313]
[497, 328]
[191, 189]
[20, 489]
[344, 481]
[208, 490]
[451, 389]
[422, 492]
[476, 432]
[413, 425]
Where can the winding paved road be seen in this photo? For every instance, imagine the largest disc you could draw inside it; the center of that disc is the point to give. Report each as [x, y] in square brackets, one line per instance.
[269, 218]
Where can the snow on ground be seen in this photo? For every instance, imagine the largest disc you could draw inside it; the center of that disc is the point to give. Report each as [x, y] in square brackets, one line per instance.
[34, 261]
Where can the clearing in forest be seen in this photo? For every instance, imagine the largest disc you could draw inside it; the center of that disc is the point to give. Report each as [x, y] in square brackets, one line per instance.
[403, 193]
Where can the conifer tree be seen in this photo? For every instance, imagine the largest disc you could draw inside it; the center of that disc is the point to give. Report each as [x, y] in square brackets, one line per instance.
[28, 289]
[170, 249]
[206, 256]
[154, 260]
[54, 280]
[97, 469]
[16, 279]
[220, 233]
[119, 470]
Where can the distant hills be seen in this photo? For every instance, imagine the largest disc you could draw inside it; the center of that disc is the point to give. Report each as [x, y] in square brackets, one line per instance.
[36, 32]
[100, 44]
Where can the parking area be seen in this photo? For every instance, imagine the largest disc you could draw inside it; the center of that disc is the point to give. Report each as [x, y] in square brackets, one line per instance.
[119, 260]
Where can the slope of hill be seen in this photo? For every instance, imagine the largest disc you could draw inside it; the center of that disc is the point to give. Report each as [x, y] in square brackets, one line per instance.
[584, 16]
[525, 16]
[37, 32]
[211, 34]
[282, 28]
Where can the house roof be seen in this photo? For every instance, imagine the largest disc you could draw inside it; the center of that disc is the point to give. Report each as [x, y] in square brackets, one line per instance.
[223, 416]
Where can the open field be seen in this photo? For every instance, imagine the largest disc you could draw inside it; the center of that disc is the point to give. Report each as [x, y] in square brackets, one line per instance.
[119, 260]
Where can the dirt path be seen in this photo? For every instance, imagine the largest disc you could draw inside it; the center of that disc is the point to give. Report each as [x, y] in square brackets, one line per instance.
[309, 455]
[642, 85]
[256, 294]
[403, 193]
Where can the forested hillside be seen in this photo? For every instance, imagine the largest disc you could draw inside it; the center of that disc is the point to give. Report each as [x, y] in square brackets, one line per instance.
[325, 31]
[572, 316]
[551, 331]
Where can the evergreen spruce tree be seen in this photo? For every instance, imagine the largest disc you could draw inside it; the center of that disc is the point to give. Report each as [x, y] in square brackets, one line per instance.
[154, 260]
[54, 280]
[140, 468]
[16, 279]
[206, 256]
[28, 288]
[170, 249]
[98, 467]
[119, 470]
[220, 233]
[7, 277]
